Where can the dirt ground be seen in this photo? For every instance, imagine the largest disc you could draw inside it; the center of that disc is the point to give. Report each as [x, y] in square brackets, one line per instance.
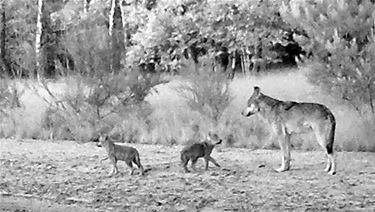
[66, 176]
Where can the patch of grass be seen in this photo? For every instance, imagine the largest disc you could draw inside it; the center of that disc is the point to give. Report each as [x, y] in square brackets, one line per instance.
[170, 121]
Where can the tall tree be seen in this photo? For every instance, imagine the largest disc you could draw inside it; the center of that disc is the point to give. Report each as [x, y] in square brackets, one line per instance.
[116, 32]
[38, 39]
[86, 5]
[5, 67]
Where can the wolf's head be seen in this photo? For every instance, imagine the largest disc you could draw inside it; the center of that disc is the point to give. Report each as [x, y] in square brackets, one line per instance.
[103, 140]
[214, 138]
[253, 103]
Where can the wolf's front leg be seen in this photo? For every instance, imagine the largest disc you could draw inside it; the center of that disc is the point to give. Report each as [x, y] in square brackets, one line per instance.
[285, 149]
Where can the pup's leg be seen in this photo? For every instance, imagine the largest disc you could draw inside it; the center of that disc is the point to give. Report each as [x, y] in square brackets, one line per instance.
[213, 161]
[193, 162]
[206, 159]
[184, 162]
[114, 166]
[137, 161]
[130, 164]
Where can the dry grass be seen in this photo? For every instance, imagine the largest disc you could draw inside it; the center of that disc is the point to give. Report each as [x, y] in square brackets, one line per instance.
[172, 121]
[69, 174]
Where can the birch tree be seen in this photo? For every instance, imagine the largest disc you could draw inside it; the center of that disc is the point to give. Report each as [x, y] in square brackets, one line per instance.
[38, 39]
[86, 5]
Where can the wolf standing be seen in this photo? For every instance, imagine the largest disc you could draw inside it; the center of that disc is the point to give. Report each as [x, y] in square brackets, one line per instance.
[287, 118]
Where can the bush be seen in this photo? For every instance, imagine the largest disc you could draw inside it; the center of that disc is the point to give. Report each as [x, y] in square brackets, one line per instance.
[95, 97]
[9, 104]
[207, 93]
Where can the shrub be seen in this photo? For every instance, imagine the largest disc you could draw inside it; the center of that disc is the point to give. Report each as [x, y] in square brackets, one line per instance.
[95, 97]
[206, 92]
[9, 102]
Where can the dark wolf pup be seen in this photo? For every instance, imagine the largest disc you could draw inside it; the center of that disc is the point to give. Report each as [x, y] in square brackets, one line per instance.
[287, 118]
[197, 150]
[119, 152]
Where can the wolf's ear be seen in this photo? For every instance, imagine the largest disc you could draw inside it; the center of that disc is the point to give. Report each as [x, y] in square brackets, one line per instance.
[104, 135]
[256, 90]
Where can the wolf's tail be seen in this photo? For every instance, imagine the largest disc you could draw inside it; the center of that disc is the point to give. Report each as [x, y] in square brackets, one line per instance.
[331, 134]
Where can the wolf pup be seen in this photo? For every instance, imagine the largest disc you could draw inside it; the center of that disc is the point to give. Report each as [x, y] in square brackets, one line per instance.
[197, 150]
[288, 117]
[119, 152]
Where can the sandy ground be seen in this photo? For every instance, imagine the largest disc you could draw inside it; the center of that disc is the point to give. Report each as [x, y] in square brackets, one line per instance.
[66, 176]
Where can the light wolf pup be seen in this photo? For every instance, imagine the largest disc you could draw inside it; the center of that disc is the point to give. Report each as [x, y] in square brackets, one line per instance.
[119, 152]
[197, 150]
[288, 117]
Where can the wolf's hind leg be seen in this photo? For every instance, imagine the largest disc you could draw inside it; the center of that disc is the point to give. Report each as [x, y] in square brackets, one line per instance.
[331, 158]
[324, 135]
[329, 164]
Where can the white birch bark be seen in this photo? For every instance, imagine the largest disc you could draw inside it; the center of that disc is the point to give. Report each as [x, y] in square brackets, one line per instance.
[38, 38]
[85, 6]
[123, 27]
[111, 17]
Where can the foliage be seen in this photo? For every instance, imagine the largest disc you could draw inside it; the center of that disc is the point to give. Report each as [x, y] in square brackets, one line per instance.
[207, 92]
[91, 104]
[9, 102]
[95, 97]
[198, 27]
[161, 35]
[19, 28]
[340, 35]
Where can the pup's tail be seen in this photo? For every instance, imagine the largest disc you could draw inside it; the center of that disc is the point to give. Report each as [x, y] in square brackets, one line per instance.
[106, 158]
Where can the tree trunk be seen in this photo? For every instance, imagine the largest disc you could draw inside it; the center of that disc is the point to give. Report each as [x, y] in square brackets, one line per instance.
[38, 39]
[86, 6]
[124, 28]
[5, 65]
[116, 33]
[370, 93]
[50, 40]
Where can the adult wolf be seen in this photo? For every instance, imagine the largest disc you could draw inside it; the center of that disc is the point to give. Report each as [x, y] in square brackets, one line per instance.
[288, 117]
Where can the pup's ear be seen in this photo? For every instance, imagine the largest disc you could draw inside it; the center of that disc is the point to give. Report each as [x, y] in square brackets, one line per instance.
[256, 90]
[209, 136]
[219, 142]
[104, 135]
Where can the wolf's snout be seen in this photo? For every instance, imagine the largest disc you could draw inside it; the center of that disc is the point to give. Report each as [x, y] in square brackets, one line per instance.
[246, 112]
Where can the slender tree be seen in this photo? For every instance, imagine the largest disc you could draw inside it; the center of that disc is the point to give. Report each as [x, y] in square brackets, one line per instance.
[116, 32]
[86, 6]
[3, 62]
[38, 39]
